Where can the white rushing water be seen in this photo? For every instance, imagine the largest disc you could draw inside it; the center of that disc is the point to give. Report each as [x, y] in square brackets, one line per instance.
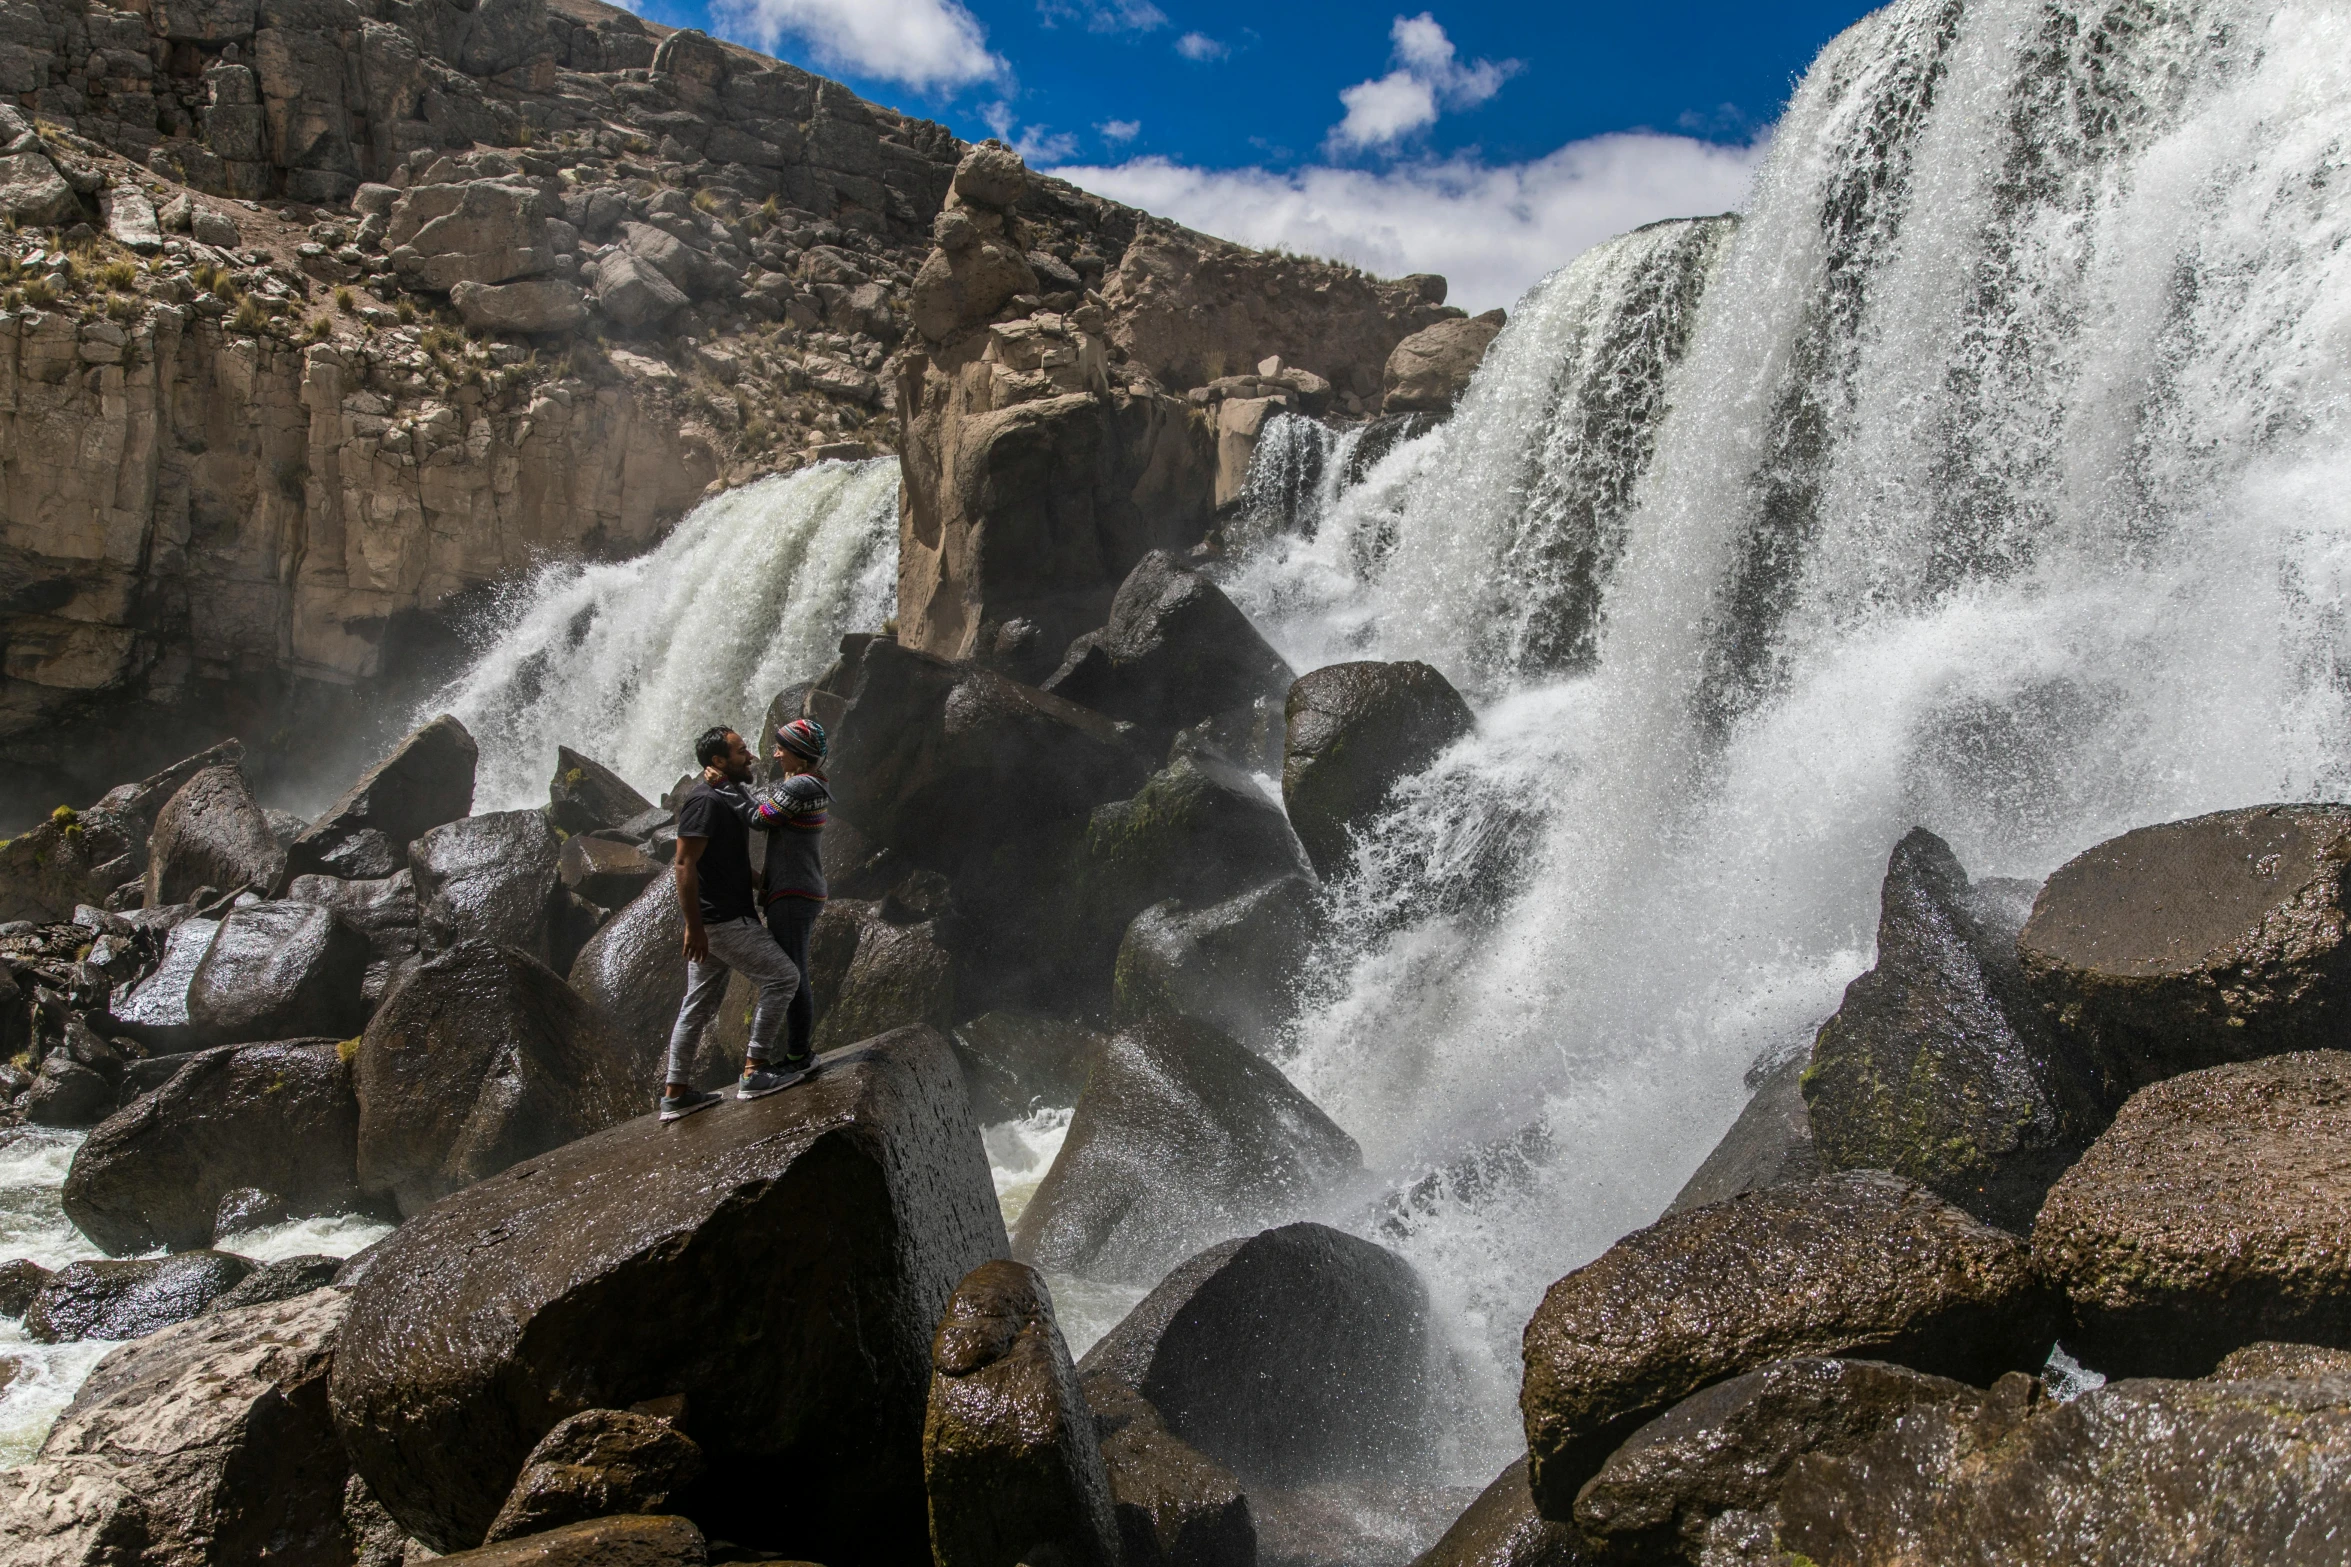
[627, 661]
[2002, 485]
[33, 1164]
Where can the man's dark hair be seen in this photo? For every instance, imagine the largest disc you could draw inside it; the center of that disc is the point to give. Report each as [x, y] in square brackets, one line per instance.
[712, 746]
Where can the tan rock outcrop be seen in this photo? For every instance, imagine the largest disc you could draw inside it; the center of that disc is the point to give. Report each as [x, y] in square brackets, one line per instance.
[1428, 371]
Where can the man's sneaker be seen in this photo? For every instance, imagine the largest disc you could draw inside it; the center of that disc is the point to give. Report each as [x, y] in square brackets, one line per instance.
[678, 1107]
[760, 1081]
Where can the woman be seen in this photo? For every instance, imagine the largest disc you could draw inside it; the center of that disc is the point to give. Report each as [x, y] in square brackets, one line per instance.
[791, 811]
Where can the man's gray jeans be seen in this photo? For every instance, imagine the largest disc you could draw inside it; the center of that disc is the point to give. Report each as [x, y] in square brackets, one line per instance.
[739, 947]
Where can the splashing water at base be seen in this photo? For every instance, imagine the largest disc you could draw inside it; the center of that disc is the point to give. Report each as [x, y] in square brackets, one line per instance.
[1019, 1154]
[33, 1165]
[628, 661]
[2001, 488]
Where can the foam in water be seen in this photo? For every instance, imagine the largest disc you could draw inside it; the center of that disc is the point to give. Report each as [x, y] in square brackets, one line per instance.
[627, 661]
[33, 1165]
[2002, 485]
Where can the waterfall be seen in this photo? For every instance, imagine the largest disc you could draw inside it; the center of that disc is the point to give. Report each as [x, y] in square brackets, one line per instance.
[628, 661]
[1993, 473]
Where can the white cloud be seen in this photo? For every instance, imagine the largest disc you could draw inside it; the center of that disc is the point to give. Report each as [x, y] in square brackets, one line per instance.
[1201, 47]
[1036, 144]
[1428, 77]
[1492, 231]
[1120, 130]
[1105, 16]
[928, 44]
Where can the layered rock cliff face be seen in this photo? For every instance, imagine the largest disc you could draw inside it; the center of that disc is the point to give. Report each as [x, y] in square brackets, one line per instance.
[322, 314]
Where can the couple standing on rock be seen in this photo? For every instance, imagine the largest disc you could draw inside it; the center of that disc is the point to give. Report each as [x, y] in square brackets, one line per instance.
[722, 906]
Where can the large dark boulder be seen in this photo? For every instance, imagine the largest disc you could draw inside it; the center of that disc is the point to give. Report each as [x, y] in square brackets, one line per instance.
[1937, 1066]
[585, 795]
[384, 911]
[143, 801]
[1295, 1355]
[212, 833]
[781, 1263]
[1770, 1144]
[2129, 1474]
[129, 1299]
[2214, 1213]
[2222, 938]
[155, 1011]
[878, 974]
[594, 1464]
[73, 858]
[208, 1442]
[1180, 1136]
[20, 1280]
[279, 971]
[1858, 1262]
[606, 871]
[632, 975]
[1234, 965]
[1353, 732]
[492, 878]
[636, 1540]
[483, 1058]
[1010, 1456]
[1176, 1506]
[1013, 1062]
[427, 780]
[278, 1117]
[67, 1093]
[1175, 651]
[283, 1279]
[1503, 1529]
[948, 763]
[1728, 1447]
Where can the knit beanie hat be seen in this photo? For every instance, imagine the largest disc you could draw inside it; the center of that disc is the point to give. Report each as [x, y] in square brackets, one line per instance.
[804, 737]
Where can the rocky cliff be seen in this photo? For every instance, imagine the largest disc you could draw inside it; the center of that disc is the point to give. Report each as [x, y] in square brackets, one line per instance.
[319, 316]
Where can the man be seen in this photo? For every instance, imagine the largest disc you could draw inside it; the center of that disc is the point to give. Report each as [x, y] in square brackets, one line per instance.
[791, 811]
[723, 932]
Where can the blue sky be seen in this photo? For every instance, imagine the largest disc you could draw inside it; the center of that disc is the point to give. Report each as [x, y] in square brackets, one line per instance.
[1483, 141]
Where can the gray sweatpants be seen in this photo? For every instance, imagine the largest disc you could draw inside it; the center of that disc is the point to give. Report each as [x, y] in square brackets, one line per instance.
[736, 947]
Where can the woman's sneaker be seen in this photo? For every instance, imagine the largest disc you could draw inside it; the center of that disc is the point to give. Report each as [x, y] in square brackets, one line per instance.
[759, 1081]
[678, 1107]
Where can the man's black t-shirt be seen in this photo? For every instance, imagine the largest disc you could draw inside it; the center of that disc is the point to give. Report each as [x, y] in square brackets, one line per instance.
[725, 867]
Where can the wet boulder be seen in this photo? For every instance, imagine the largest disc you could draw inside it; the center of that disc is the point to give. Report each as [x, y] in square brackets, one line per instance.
[144, 800]
[155, 1011]
[890, 975]
[491, 878]
[1175, 651]
[606, 871]
[585, 795]
[1937, 1066]
[632, 976]
[1234, 965]
[781, 1263]
[595, 1464]
[2182, 946]
[2214, 1213]
[2130, 1473]
[1728, 1447]
[246, 1208]
[207, 1442]
[129, 1299]
[948, 762]
[1503, 1529]
[279, 1117]
[2272, 1359]
[1860, 1262]
[279, 971]
[20, 1280]
[1011, 1459]
[1353, 732]
[425, 781]
[1294, 1355]
[1014, 1062]
[73, 858]
[1181, 1135]
[285, 1279]
[1770, 1144]
[1175, 1505]
[483, 1058]
[212, 833]
[628, 1541]
[67, 1093]
[384, 911]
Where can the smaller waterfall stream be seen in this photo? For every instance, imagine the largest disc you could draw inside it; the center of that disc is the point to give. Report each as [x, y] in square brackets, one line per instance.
[627, 661]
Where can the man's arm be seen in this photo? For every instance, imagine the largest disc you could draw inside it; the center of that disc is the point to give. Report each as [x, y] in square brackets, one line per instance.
[690, 896]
